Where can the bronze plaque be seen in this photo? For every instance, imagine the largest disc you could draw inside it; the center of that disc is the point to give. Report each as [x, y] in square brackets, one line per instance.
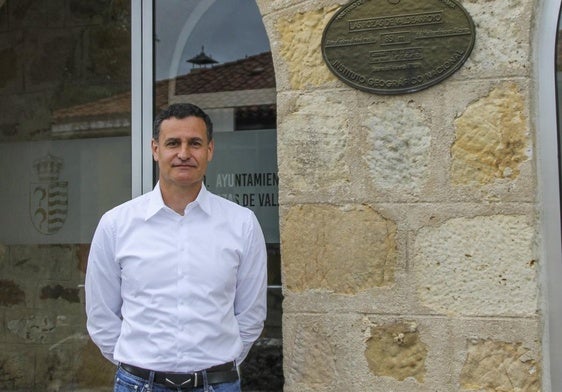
[397, 46]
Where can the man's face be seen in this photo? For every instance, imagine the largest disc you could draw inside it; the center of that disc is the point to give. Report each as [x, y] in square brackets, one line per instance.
[182, 152]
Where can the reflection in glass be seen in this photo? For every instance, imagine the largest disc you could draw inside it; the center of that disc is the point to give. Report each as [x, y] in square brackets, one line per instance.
[64, 160]
[216, 54]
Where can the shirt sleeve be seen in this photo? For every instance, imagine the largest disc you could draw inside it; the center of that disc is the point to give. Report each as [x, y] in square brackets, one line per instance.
[250, 304]
[103, 290]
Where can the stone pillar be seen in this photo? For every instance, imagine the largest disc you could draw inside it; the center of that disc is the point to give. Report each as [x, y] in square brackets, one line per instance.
[408, 222]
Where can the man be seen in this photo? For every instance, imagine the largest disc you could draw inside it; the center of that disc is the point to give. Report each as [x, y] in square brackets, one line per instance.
[176, 278]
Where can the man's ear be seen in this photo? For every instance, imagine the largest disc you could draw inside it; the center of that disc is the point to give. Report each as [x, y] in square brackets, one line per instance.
[211, 148]
[154, 148]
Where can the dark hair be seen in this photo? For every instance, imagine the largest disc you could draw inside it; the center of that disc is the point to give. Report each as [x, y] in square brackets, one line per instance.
[179, 111]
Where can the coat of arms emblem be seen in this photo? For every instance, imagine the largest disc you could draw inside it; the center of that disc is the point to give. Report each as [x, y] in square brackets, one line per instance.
[48, 198]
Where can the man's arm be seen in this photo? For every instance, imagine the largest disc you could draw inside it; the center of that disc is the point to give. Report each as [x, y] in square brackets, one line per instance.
[250, 304]
[103, 290]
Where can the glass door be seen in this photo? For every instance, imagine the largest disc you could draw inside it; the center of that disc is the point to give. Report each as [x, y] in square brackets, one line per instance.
[65, 158]
[216, 54]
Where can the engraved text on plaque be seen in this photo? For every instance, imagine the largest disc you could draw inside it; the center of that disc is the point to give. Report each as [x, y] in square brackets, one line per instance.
[397, 46]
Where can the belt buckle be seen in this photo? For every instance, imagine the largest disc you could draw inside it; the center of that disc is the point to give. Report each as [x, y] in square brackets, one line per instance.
[180, 381]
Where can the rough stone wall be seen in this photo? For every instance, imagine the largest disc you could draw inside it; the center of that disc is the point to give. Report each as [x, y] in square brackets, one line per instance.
[408, 222]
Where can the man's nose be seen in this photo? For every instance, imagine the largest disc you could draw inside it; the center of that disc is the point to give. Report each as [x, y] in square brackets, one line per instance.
[184, 152]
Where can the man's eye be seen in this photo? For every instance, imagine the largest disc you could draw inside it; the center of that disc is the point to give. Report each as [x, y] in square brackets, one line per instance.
[172, 143]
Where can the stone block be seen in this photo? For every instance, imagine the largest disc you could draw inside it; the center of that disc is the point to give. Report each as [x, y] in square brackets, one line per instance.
[25, 116]
[300, 35]
[477, 266]
[399, 141]
[312, 157]
[492, 138]
[75, 365]
[11, 293]
[56, 291]
[30, 328]
[396, 350]
[516, 181]
[310, 356]
[57, 365]
[408, 353]
[499, 366]
[50, 327]
[33, 263]
[343, 249]
[67, 298]
[496, 354]
[502, 39]
[95, 372]
[17, 365]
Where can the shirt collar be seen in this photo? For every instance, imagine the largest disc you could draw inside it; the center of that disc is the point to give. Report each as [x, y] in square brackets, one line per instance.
[156, 203]
[204, 200]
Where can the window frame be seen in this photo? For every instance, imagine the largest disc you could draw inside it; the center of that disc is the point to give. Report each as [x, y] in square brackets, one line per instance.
[142, 79]
[549, 235]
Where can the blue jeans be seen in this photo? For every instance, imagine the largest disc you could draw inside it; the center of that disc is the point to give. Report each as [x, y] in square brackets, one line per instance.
[126, 382]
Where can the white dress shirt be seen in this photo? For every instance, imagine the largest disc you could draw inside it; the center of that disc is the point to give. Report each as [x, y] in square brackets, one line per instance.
[176, 293]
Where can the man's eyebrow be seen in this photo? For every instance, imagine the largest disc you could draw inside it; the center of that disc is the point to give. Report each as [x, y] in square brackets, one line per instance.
[189, 139]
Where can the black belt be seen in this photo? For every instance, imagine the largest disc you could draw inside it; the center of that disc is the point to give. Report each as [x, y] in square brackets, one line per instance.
[215, 375]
